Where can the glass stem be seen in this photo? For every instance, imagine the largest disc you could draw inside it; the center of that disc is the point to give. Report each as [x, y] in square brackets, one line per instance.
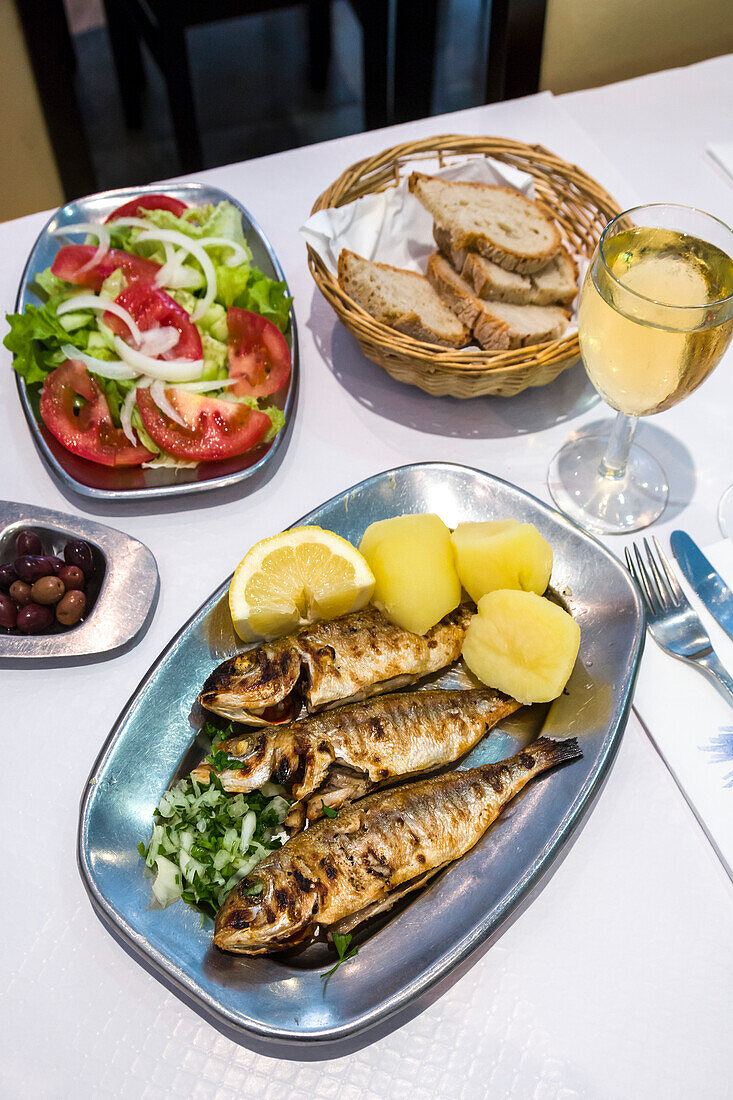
[613, 463]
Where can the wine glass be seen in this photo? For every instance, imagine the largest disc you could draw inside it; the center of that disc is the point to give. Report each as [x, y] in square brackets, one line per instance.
[725, 513]
[655, 317]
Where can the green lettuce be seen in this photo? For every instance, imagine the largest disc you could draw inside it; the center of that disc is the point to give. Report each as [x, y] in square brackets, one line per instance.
[35, 339]
[265, 296]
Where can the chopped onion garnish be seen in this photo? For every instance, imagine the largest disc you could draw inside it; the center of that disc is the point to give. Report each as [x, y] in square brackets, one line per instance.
[126, 415]
[132, 222]
[204, 387]
[173, 261]
[105, 368]
[157, 392]
[156, 341]
[168, 370]
[93, 301]
[238, 256]
[198, 252]
[99, 231]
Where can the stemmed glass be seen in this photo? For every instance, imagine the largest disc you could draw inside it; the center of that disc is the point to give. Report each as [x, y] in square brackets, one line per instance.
[725, 513]
[655, 317]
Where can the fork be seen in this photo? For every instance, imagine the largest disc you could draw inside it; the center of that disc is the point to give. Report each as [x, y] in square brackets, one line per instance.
[672, 621]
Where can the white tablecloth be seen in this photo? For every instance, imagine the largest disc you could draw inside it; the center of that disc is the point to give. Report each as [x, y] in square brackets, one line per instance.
[616, 981]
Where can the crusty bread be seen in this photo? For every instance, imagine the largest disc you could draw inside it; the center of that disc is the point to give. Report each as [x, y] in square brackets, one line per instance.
[404, 300]
[495, 325]
[456, 257]
[498, 222]
[556, 283]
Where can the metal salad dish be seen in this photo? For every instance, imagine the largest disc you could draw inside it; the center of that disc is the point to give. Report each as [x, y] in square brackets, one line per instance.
[281, 1002]
[90, 479]
[124, 587]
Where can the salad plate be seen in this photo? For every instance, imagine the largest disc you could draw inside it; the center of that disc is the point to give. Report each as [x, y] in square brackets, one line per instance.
[282, 1002]
[125, 585]
[105, 482]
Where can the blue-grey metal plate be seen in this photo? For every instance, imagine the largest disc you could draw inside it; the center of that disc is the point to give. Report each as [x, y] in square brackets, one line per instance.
[283, 1001]
[134, 483]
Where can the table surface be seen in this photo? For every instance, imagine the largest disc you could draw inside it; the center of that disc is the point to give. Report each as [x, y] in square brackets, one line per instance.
[616, 980]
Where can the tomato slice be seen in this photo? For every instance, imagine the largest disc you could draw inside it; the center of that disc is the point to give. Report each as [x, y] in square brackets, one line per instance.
[72, 257]
[88, 430]
[134, 207]
[151, 307]
[258, 354]
[214, 429]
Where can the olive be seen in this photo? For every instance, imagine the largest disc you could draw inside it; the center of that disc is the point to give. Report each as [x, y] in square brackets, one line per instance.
[71, 608]
[48, 590]
[72, 577]
[28, 542]
[8, 612]
[34, 618]
[79, 553]
[20, 593]
[31, 567]
[8, 574]
[55, 562]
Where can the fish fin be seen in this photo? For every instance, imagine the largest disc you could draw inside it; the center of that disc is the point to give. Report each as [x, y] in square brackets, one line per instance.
[348, 924]
[548, 751]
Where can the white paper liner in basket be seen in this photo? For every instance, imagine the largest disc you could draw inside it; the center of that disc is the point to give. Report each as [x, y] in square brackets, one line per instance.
[392, 227]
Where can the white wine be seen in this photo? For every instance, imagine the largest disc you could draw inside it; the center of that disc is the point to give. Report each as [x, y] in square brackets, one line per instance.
[649, 328]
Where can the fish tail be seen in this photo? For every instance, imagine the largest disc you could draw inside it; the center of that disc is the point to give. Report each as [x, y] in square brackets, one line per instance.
[548, 752]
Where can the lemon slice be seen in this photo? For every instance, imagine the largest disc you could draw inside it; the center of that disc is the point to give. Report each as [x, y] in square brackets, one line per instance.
[289, 580]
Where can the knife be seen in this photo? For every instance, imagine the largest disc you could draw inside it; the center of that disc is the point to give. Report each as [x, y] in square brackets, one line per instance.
[704, 580]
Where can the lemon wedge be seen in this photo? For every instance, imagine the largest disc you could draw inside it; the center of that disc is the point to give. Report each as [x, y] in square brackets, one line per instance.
[289, 580]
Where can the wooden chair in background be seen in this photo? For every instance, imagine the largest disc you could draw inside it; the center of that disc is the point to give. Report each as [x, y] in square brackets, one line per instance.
[162, 25]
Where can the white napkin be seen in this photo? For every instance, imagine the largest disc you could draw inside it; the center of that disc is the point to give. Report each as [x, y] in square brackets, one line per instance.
[722, 154]
[691, 723]
[392, 226]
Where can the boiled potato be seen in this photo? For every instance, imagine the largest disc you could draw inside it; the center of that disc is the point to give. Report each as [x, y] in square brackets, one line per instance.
[501, 553]
[522, 645]
[412, 561]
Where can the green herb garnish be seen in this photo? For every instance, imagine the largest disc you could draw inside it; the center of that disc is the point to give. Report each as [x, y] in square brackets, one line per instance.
[222, 761]
[204, 841]
[341, 943]
[328, 812]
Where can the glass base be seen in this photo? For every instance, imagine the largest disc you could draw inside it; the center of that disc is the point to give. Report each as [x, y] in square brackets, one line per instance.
[606, 505]
[725, 513]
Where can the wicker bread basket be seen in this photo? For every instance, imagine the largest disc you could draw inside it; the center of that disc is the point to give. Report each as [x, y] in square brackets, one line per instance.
[580, 207]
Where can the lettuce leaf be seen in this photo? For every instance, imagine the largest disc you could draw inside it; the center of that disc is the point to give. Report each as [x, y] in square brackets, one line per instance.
[35, 339]
[265, 296]
[50, 284]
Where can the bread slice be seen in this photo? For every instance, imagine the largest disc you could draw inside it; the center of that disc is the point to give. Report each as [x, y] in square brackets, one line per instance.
[456, 257]
[498, 222]
[404, 300]
[556, 283]
[497, 326]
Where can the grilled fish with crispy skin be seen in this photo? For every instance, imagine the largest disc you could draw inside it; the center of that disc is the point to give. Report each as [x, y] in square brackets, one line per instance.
[342, 754]
[340, 872]
[328, 663]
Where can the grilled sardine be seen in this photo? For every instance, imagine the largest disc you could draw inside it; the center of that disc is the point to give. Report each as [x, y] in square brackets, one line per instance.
[329, 663]
[340, 872]
[342, 754]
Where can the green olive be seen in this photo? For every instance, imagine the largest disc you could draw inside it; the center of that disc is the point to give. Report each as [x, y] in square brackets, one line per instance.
[47, 590]
[71, 608]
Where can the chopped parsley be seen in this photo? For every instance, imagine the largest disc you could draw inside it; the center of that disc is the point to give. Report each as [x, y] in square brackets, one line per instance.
[221, 761]
[341, 942]
[204, 840]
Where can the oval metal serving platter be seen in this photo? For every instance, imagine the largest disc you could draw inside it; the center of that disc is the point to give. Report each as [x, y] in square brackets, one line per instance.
[134, 483]
[282, 1001]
